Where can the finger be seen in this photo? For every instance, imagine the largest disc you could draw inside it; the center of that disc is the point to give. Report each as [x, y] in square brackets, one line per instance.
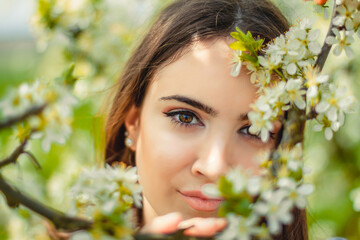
[164, 224]
[203, 227]
[55, 234]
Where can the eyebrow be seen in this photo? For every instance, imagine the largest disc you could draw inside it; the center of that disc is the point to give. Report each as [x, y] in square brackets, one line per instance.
[203, 107]
[243, 117]
[192, 102]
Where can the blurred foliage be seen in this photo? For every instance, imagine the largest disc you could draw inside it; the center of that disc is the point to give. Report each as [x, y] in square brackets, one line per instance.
[98, 35]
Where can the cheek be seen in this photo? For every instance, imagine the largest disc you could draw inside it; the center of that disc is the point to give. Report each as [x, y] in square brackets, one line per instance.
[244, 157]
[161, 154]
[247, 153]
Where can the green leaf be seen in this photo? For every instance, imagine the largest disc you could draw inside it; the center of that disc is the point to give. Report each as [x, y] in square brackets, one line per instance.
[225, 187]
[238, 46]
[249, 58]
[245, 41]
[240, 204]
[248, 46]
[67, 76]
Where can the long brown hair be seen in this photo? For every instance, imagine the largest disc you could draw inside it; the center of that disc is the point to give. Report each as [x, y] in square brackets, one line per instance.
[178, 26]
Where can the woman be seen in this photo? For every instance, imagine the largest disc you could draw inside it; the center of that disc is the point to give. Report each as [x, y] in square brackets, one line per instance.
[181, 118]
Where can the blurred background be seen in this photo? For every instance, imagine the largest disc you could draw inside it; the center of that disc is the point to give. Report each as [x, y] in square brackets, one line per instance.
[41, 38]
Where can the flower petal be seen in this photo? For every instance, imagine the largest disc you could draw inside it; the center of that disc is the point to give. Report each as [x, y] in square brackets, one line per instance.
[291, 68]
[331, 40]
[322, 107]
[328, 134]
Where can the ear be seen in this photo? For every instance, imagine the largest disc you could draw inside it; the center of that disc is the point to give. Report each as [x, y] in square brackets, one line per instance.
[132, 125]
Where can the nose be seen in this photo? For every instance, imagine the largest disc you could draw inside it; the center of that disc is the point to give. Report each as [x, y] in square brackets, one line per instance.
[213, 160]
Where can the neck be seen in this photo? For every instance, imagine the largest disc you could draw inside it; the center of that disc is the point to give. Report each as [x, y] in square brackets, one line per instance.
[148, 213]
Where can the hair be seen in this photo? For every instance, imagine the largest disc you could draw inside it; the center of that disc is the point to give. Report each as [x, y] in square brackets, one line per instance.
[181, 24]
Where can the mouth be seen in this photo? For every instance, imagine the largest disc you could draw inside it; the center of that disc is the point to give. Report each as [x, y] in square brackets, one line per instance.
[199, 202]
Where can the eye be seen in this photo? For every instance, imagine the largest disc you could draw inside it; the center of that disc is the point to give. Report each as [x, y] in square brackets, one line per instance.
[184, 118]
[245, 131]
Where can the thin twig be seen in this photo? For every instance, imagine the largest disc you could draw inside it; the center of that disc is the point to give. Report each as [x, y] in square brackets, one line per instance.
[325, 50]
[61, 221]
[312, 114]
[14, 155]
[30, 112]
[33, 159]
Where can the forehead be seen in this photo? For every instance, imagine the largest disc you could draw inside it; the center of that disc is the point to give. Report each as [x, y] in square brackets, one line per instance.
[203, 73]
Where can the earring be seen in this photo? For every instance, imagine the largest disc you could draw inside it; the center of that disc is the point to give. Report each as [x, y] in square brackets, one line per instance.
[128, 141]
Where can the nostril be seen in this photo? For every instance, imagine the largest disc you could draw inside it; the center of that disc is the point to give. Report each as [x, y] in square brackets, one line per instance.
[211, 165]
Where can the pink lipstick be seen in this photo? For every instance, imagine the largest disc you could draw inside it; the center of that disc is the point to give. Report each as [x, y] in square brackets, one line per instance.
[199, 202]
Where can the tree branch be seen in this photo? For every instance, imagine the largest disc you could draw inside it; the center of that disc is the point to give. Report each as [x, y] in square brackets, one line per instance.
[325, 50]
[33, 159]
[61, 221]
[30, 112]
[312, 114]
[14, 155]
[294, 126]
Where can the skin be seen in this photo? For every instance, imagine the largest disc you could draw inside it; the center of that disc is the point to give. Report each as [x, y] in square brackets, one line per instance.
[180, 147]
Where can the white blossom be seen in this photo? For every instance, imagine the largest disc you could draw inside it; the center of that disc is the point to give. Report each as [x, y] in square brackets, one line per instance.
[267, 108]
[295, 92]
[356, 22]
[254, 185]
[270, 63]
[240, 228]
[324, 124]
[302, 37]
[18, 101]
[285, 76]
[235, 70]
[292, 157]
[54, 122]
[261, 122]
[342, 41]
[347, 15]
[260, 79]
[241, 182]
[103, 188]
[211, 190]
[313, 82]
[355, 197]
[276, 208]
[56, 126]
[294, 165]
[335, 104]
[296, 192]
[261, 125]
[278, 47]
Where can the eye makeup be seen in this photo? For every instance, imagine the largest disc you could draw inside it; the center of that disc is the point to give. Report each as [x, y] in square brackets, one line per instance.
[184, 118]
[245, 131]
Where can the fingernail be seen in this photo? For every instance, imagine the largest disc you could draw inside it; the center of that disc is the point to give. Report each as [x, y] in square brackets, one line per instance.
[220, 222]
[185, 225]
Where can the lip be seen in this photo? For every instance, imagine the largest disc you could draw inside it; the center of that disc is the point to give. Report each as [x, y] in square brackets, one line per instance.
[200, 202]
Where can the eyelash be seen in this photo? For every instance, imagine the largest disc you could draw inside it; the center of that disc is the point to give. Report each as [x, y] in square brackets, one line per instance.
[174, 116]
[256, 136]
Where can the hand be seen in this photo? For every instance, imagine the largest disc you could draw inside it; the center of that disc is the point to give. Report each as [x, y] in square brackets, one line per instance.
[199, 227]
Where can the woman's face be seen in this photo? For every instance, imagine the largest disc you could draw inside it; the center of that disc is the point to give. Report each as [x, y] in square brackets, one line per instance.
[191, 129]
